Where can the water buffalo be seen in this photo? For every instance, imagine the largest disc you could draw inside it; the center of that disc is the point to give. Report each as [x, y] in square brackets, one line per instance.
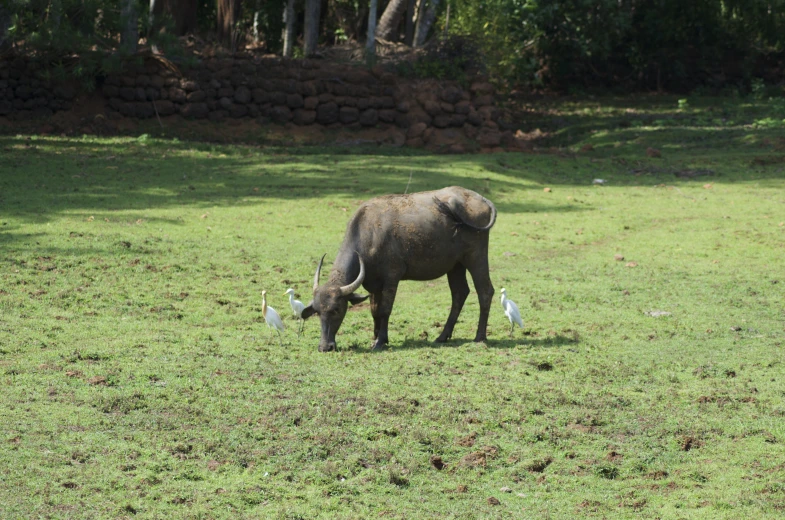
[420, 236]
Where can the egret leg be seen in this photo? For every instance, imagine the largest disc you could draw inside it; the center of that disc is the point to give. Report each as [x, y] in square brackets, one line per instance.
[280, 342]
[512, 327]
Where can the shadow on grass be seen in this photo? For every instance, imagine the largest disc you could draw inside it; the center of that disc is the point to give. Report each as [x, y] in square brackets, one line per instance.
[46, 177]
[412, 344]
[558, 340]
[703, 120]
[43, 177]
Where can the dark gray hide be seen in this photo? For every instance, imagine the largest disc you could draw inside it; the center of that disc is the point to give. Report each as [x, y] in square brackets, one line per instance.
[420, 236]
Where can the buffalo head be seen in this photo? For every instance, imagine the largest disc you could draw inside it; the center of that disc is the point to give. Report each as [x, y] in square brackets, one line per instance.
[330, 302]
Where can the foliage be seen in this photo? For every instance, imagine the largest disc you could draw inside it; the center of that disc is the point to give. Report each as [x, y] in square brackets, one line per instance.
[63, 26]
[653, 45]
[568, 45]
[346, 19]
[456, 58]
[270, 22]
[138, 377]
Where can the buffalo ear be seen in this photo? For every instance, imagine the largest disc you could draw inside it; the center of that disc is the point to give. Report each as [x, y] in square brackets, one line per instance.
[355, 298]
[308, 312]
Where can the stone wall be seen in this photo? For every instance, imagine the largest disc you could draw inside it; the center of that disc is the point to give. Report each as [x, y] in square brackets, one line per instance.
[272, 90]
[25, 91]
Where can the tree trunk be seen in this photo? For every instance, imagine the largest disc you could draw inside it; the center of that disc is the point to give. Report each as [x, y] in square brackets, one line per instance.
[256, 14]
[311, 30]
[409, 31]
[424, 22]
[152, 17]
[129, 35]
[370, 43]
[289, 33]
[391, 20]
[155, 8]
[5, 24]
[182, 12]
[228, 15]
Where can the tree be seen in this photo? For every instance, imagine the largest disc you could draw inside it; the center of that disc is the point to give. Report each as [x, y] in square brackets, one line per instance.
[5, 24]
[257, 12]
[424, 21]
[370, 43]
[391, 19]
[289, 33]
[408, 37]
[182, 13]
[228, 15]
[129, 23]
[311, 30]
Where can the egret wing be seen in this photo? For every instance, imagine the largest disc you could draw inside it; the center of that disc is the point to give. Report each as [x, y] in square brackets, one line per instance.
[512, 312]
[273, 319]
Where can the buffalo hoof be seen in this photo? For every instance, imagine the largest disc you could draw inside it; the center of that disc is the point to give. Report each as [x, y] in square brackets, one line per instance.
[443, 338]
[378, 345]
[327, 348]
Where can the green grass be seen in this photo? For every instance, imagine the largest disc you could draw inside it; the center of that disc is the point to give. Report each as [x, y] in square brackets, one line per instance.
[138, 378]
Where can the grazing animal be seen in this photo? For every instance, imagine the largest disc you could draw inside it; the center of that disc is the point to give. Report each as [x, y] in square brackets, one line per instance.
[419, 236]
[271, 317]
[297, 308]
[511, 311]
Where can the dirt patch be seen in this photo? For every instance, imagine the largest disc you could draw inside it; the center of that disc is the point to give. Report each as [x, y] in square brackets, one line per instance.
[91, 116]
[688, 442]
[635, 505]
[583, 428]
[97, 380]
[589, 505]
[480, 457]
[614, 456]
[538, 466]
[657, 475]
[467, 441]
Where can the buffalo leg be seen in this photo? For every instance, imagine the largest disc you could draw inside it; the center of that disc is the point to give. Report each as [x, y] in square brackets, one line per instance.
[459, 288]
[375, 299]
[484, 288]
[381, 308]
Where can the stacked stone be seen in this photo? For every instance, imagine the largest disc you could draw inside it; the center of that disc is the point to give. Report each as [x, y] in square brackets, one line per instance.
[441, 116]
[306, 92]
[25, 92]
[283, 91]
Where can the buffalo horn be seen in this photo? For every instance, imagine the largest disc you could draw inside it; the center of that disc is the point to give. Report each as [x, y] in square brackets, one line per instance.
[346, 290]
[318, 272]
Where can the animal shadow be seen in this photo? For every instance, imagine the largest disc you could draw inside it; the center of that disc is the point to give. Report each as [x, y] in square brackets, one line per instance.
[558, 340]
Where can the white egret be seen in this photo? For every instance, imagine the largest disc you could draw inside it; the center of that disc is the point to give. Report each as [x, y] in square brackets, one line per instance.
[271, 317]
[297, 308]
[511, 311]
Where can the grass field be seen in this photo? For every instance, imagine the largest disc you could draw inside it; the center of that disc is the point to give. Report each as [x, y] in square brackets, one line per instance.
[138, 378]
